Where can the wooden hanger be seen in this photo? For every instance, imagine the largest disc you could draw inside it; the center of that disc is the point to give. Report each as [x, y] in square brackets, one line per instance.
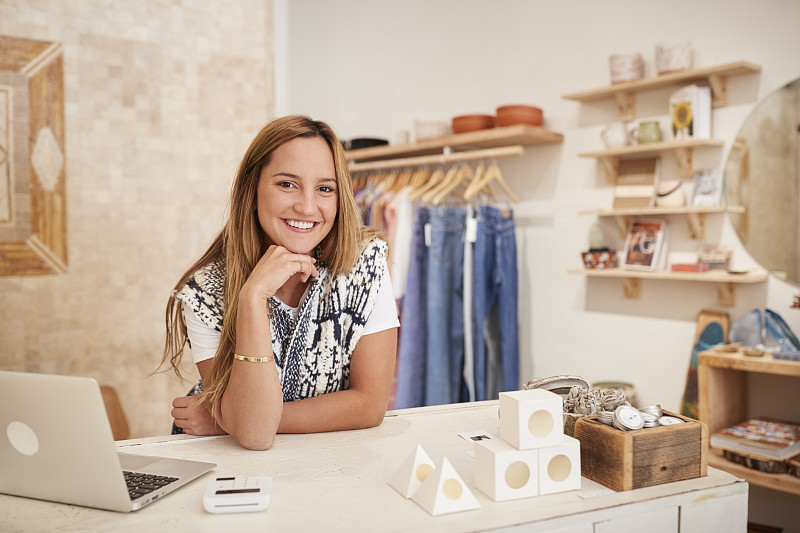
[464, 175]
[474, 184]
[420, 176]
[434, 180]
[451, 176]
[493, 173]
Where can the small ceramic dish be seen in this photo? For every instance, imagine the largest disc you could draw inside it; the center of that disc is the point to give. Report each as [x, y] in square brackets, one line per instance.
[511, 115]
[467, 123]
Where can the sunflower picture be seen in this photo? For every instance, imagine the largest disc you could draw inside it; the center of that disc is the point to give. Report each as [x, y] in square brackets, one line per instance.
[682, 120]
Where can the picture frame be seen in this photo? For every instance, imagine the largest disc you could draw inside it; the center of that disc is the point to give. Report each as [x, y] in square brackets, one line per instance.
[33, 161]
[707, 190]
[644, 244]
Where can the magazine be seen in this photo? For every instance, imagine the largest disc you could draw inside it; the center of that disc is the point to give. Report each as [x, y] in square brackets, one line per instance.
[644, 245]
[775, 439]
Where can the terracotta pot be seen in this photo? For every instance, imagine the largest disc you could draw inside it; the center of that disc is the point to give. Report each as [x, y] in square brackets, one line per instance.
[467, 123]
[510, 115]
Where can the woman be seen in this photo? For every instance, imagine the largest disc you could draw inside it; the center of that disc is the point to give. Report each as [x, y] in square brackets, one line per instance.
[289, 314]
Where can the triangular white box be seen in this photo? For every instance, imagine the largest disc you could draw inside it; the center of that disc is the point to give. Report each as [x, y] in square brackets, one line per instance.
[445, 492]
[412, 472]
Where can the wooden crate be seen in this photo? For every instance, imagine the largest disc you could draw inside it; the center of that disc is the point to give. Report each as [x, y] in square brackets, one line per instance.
[625, 460]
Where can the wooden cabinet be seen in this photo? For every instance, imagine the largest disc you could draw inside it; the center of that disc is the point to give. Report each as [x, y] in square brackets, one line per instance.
[722, 385]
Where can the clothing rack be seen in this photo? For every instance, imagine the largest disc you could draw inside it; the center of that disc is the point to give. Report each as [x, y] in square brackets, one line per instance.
[438, 159]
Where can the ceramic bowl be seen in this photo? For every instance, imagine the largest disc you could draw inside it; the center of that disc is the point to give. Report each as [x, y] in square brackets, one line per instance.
[467, 123]
[511, 115]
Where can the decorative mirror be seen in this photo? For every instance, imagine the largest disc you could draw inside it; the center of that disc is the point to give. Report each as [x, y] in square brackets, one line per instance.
[763, 176]
[33, 208]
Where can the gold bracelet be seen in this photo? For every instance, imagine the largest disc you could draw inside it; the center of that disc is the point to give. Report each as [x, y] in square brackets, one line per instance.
[249, 359]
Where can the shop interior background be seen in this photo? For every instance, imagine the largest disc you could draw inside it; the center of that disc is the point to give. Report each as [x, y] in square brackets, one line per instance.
[162, 97]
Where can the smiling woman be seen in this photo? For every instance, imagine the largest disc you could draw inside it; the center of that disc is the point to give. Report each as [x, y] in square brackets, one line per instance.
[289, 314]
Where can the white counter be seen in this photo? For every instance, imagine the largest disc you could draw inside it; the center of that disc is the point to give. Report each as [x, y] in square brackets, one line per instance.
[338, 482]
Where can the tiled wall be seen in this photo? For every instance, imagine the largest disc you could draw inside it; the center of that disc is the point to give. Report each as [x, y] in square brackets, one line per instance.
[161, 99]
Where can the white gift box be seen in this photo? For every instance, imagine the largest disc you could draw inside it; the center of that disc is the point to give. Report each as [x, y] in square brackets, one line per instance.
[560, 466]
[503, 472]
[531, 418]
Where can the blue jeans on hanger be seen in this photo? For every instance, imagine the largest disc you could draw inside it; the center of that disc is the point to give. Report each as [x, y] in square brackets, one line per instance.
[410, 390]
[445, 308]
[495, 255]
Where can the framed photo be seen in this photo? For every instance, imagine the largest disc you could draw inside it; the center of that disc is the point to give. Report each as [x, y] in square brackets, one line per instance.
[707, 187]
[644, 244]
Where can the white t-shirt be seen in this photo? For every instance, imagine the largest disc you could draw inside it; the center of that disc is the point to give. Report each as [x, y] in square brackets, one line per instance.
[205, 340]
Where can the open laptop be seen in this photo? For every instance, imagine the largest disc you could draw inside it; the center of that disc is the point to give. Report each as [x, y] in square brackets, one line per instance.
[56, 444]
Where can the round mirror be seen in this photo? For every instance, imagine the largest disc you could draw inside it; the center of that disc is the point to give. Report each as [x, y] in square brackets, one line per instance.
[763, 176]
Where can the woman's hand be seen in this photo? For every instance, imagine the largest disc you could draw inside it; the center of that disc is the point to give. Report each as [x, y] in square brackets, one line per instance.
[193, 417]
[275, 268]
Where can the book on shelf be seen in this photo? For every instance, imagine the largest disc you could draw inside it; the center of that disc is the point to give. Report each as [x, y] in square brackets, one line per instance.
[690, 109]
[636, 181]
[775, 439]
[645, 247]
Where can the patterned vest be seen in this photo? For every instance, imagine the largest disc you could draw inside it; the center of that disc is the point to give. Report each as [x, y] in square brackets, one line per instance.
[312, 352]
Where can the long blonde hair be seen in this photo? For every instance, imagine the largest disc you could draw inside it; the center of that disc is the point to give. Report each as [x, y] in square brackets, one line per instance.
[242, 242]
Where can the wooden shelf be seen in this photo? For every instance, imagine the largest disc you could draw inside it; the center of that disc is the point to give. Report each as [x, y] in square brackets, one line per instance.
[696, 216]
[722, 388]
[492, 138]
[684, 151]
[781, 482]
[726, 282]
[738, 361]
[715, 77]
[653, 148]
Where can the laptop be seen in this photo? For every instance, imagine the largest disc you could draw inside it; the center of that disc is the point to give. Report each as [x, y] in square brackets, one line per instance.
[56, 444]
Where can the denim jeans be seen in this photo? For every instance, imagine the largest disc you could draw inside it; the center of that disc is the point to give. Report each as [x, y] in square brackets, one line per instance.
[445, 308]
[495, 284]
[411, 356]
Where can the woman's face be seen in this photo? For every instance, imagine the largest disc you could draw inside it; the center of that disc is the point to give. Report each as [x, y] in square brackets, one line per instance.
[297, 197]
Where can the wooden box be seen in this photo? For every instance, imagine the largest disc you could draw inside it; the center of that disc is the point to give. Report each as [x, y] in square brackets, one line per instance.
[625, 460]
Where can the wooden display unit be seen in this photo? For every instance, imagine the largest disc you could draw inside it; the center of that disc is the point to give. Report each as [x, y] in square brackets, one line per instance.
[722, 385]
[716, 78]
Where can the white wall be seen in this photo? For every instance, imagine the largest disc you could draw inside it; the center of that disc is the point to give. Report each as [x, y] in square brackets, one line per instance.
[371, 68]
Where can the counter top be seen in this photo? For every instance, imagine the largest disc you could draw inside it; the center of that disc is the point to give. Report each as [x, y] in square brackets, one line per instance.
[338, 482]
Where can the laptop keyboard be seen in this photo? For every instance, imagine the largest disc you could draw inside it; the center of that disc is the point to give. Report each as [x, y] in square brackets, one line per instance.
[140, 484]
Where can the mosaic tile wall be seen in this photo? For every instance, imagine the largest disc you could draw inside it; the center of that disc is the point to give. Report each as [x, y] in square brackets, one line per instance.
[161, 99]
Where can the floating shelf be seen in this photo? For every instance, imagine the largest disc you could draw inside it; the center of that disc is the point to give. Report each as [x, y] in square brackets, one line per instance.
[715, 77]
[726, 282]
[492, 138]
[695, 216]
[684, 150]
